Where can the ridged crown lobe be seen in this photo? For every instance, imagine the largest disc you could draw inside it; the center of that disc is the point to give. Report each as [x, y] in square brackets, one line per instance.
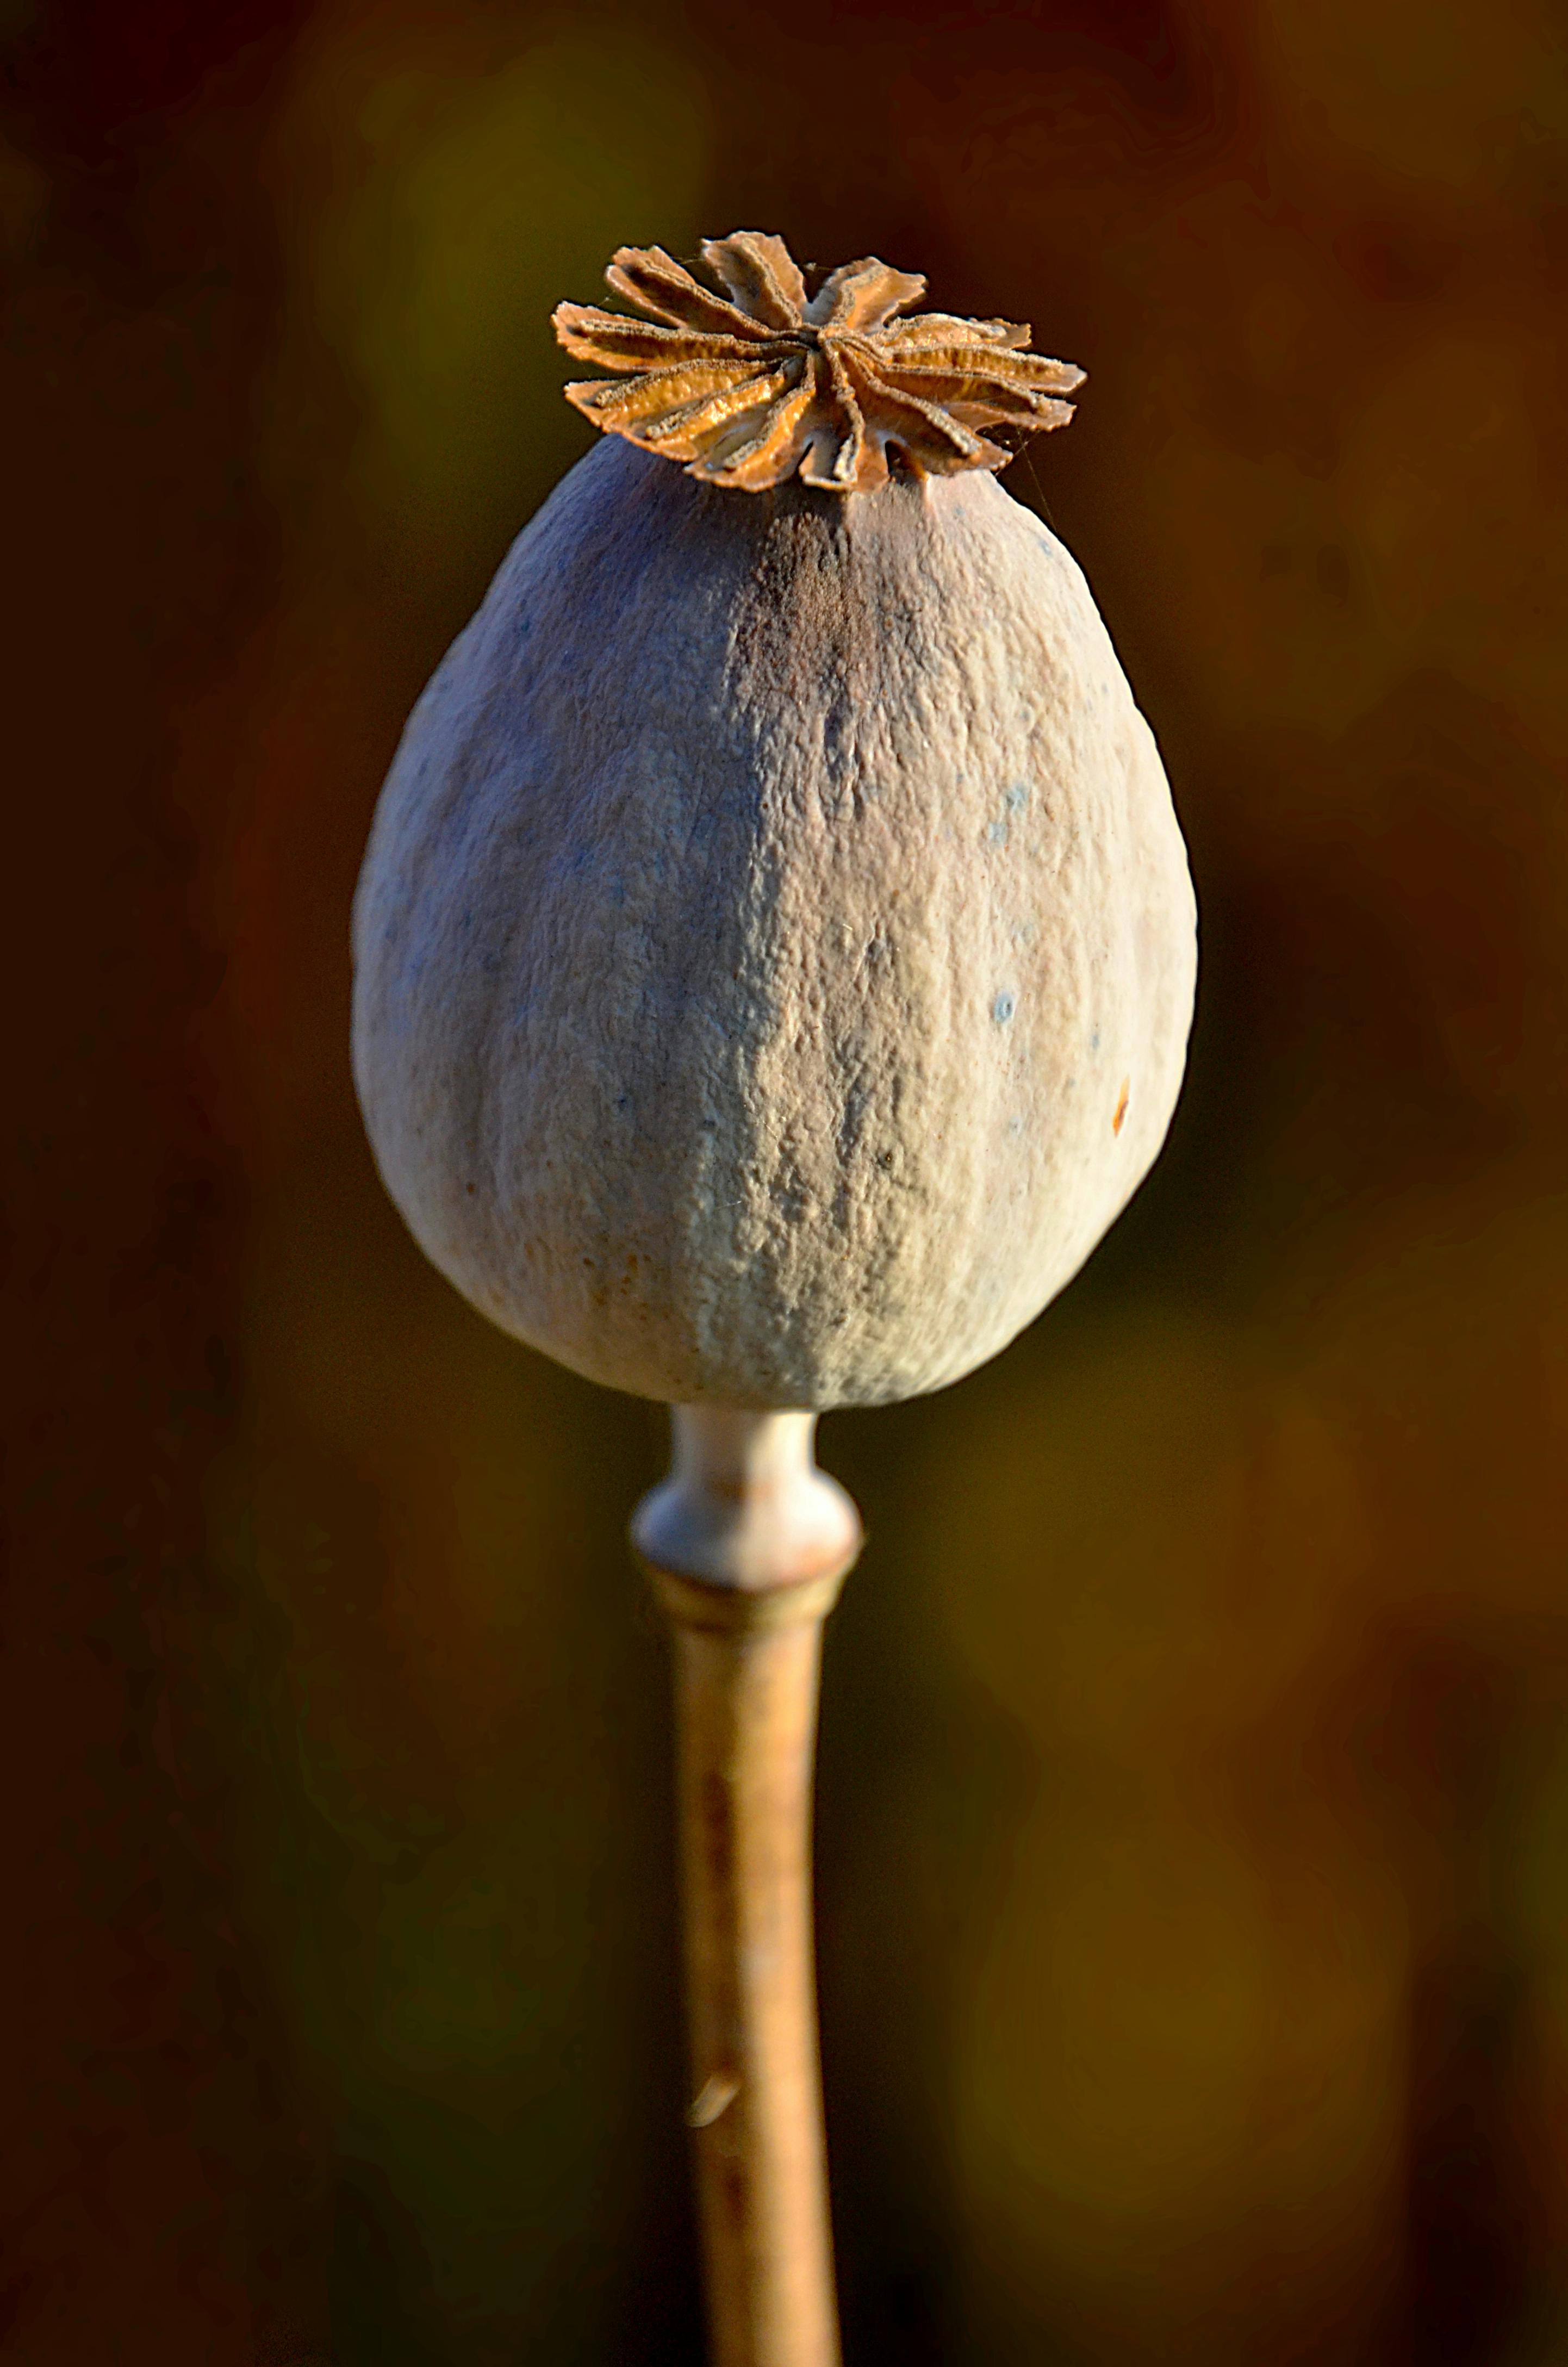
[762, 381]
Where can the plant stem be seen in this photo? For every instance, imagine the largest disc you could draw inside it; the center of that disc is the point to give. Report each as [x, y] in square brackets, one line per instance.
[746, 1495]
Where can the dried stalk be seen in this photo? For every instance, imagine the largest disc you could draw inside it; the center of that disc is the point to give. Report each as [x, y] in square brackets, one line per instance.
[747, 1499]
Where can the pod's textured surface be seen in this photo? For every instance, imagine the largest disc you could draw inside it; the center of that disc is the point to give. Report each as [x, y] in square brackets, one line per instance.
[775, 953]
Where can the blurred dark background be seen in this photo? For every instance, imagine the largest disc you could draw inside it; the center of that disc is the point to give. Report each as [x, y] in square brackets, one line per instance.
[1194, 1805]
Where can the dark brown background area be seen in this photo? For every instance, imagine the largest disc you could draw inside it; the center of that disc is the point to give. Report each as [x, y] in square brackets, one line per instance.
[1194, 1821]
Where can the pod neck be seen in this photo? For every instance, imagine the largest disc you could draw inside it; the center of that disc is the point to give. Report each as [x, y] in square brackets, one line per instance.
[745, 1504]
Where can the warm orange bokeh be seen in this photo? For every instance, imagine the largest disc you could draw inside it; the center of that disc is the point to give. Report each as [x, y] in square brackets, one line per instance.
[1194, 1829]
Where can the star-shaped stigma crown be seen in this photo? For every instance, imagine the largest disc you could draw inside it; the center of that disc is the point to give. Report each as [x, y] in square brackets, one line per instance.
[748, 387]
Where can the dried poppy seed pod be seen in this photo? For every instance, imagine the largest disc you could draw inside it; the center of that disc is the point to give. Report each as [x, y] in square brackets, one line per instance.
[776, 950]
[773, 963]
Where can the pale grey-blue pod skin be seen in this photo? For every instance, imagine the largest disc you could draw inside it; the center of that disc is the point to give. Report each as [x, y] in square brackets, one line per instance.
[774, 955]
